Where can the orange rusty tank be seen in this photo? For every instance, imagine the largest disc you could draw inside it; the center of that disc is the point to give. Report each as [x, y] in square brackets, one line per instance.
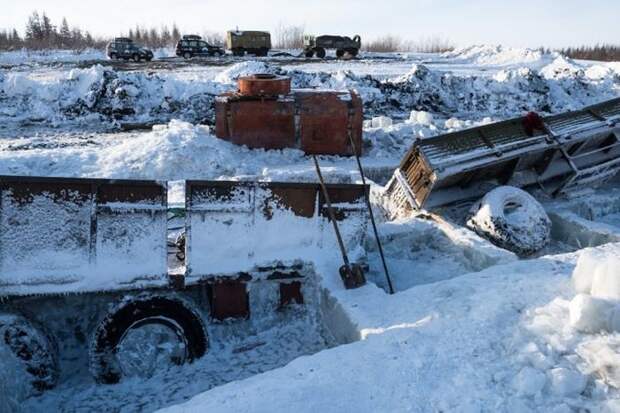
[265, 113]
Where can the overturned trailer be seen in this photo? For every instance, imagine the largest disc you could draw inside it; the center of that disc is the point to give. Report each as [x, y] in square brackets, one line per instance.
[84, 267]
[559, 154]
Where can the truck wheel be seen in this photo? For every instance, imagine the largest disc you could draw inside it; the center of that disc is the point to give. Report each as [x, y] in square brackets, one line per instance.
[136, 57]
[32, 348]
[512, 219]
[339, 53]
[143, 335]
[320, 52]
[238, 51]
[187, 55]
[353, 52]
[263, 51]
[309, 53]
[113, 56]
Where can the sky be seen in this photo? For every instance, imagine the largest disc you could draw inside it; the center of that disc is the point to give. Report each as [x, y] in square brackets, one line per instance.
[517, 23]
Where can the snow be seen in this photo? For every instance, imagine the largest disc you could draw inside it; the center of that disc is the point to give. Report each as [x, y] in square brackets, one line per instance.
[494, 340]
[471, 327]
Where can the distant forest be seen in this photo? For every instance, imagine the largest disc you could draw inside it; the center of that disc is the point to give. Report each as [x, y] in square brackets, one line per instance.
[41, 33]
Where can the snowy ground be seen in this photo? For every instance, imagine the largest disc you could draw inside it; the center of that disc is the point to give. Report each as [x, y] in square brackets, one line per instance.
[471, 328]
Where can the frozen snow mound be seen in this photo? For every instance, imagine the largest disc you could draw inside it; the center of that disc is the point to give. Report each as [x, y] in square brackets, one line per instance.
[490, 55]
[597, 280]
[251, 67]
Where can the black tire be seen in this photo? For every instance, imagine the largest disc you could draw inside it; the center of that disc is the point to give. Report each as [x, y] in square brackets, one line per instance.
[320, 52]
[113, 56]
[263, 51]
[148, 59]
[511, 219]
[339, 53]
[353, 52]
[309, 53]
[136, 57]
[187, 55]
[238, 52]
[34, 348]
[168, 311]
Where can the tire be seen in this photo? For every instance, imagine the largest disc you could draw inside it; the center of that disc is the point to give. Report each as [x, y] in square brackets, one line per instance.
[135, 57]
[309, 53]
[113, 56]
[353, 52]
[33, 348]
[320, 52]
[238, 52]
[138, 312]
[511, 219]
[263, 51]
[148, 59]
[339, 53]
[187, 55]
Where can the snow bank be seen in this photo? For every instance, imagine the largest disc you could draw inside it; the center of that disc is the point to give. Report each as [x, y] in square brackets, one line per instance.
[597, 280]
[25, 56]
[489, 55]
[111, 95]
[459, 344]
[252, 67]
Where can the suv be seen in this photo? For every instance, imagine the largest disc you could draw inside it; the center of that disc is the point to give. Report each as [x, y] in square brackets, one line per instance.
[124, 48]
[192, 45]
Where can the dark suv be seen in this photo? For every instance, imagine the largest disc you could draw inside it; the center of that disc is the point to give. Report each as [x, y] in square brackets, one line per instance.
[124, 48]
[192, 45]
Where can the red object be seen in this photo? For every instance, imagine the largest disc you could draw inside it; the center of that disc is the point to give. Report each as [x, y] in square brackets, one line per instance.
[315, 121]
[264, 85]
[290, 293]
[532, 122]
[229, 299]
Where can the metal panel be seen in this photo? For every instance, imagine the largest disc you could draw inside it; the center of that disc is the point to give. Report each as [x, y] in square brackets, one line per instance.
[63, 234]
[239, 226]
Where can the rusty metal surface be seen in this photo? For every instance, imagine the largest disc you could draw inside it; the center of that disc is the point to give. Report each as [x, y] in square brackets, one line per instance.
[264, 85]
[570, 151]
[290, 293]
[229, 299]
[69, 232]
[317, 122]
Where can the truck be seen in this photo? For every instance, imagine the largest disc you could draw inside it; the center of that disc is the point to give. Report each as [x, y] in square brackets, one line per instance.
[252, 42]
[88, 275]
[317, 45]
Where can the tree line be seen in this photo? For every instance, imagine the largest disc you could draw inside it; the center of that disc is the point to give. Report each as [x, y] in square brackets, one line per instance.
[41, 33]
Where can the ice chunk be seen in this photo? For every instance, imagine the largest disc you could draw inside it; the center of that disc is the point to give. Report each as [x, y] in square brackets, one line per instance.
[606, 279]
[421, 118]
[381, 122]
[582, 275]
[529, 381]
[589, 314]
[565, 382]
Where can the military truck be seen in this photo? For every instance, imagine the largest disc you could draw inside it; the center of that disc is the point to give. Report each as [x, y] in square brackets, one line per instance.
[317, 45]
[125, 48]
[251, 42]
[191, 45]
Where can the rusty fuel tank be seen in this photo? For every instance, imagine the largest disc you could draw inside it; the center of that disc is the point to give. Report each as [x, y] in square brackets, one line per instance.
[266, 113]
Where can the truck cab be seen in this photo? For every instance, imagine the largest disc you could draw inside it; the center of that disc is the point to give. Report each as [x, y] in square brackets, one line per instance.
[192, 45]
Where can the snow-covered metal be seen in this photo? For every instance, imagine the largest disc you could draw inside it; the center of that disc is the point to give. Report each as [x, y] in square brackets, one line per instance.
[562, 153]
[75, 235]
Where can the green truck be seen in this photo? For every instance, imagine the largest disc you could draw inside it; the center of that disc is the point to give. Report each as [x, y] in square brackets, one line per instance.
[252, 42]
[316, 45]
